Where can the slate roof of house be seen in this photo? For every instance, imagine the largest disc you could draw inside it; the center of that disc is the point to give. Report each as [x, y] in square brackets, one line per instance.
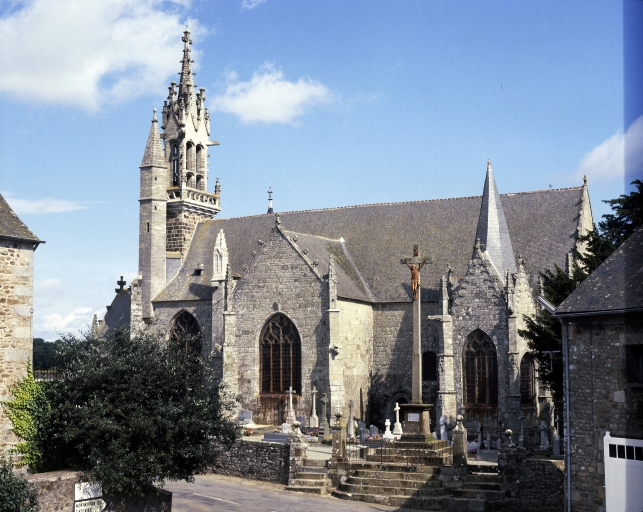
[11, 226]
[542, 226]
[616, 285]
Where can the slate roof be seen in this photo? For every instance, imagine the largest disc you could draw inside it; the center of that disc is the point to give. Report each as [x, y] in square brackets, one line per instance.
[11, 226]
[616, 285]
[542, 226]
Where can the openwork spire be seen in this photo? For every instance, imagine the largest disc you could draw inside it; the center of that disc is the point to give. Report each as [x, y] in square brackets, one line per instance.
[154, 155]
[492, 228]
[186, 65]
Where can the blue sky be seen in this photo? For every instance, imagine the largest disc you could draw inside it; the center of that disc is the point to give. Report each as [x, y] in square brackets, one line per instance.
[329, 103]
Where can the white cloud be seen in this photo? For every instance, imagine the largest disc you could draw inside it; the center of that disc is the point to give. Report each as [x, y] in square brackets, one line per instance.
[610, 160]
[269, 98]
[251, 4]
[84, 53]
[78, 320]
[43, 206]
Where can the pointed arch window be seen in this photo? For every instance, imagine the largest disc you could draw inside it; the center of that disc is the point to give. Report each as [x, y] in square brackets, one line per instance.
[429, 366]
[280, 356]
[527, 380]
[190, 153]
[185, 327]
[176, 174]
[480, 364]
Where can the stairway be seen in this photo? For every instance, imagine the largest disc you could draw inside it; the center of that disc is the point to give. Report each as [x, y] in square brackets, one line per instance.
[420, 487]
[312, 478]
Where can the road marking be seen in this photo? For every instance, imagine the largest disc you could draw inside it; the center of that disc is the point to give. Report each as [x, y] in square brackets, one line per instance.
[218, 499]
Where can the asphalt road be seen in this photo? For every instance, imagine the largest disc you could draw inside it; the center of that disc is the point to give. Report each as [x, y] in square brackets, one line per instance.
[219, 493]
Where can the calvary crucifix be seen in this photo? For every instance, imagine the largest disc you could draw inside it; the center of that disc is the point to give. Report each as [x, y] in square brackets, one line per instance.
[415, 264]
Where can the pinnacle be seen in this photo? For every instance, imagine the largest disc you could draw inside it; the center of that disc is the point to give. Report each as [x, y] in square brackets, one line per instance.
[492, 227]
[154, 155]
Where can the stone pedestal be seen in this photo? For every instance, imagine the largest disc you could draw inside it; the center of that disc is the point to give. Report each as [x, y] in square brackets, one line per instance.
[339, 439]
[459, 437]
[417, 423]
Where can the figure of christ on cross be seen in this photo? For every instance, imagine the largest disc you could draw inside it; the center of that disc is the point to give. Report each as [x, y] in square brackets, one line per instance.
[415, 264]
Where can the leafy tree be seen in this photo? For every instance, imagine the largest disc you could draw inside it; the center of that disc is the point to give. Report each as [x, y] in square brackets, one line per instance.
[16, 494]
[543, 332]
[134, 410]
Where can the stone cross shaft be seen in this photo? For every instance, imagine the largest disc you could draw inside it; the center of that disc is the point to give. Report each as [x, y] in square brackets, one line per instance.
[415, 263]
[314, 420]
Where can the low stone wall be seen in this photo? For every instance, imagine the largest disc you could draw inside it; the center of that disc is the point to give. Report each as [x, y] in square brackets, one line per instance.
[536, 484]
[254, 460]
[56, 493]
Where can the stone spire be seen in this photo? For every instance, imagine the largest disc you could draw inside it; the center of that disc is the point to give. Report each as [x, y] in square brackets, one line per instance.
[186, 83]
[492, 228]
[154, 155]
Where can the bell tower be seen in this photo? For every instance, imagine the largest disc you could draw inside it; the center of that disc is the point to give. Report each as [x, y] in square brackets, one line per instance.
[186, 132]
[174, 187]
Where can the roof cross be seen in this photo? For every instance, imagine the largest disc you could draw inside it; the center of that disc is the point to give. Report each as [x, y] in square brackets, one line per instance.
[121, 285]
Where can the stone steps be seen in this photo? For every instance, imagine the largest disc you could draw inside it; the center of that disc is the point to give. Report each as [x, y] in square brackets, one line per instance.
[306, 475]
[393, 490]
[396, 475]
[313, 478]
[465, 492]
[392, 482]
[416, 502]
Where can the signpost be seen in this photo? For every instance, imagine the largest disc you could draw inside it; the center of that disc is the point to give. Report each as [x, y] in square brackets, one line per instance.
[88, 497]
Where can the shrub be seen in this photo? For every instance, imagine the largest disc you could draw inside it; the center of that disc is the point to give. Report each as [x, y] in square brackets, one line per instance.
[16, 494]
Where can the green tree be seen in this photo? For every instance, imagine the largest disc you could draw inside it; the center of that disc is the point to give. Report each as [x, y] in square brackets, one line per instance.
[16, 494]
[543, 332]
[134, 410]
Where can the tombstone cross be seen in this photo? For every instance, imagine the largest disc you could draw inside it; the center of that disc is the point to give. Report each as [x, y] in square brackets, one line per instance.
[397, 413]
[121, 285]
[314, 420]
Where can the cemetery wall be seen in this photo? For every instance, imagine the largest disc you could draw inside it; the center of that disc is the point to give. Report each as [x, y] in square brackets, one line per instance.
[254, 460]
[533, 484]
[280, 280]
[601, 399]
[356, 354]
[16, 337]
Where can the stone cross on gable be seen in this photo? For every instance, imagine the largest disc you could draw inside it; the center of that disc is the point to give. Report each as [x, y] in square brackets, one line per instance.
[121, 285]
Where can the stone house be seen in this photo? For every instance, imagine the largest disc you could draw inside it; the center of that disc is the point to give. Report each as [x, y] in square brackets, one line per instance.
[17, 247]
[603, 338]
[319, 298]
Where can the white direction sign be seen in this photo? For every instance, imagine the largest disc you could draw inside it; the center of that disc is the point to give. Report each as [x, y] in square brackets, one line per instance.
[95, 505]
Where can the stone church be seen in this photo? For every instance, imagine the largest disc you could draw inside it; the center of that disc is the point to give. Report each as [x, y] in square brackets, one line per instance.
[320, 299]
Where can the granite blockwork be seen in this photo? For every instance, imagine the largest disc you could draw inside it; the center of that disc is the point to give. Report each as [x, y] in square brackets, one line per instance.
[257, 461]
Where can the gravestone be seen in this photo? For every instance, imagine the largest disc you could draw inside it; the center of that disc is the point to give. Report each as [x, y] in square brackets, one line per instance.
[488, 442]
[314, 420]
[285, 428]
[444, 435]
[544, 441]
[324, 427]
[302, 421]
[363, 434]
[350, 427]
[397, 427]
[290, 417]
[459, 444]
[374, 431]
[388, 435]
[245, 416]
[361, 425]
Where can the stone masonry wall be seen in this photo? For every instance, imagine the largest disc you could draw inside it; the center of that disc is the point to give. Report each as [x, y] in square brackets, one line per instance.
[16, 339]
[180, 227]
[479, 304]
[356, 353]
[600, 399]
[256, 461]
[280, 280]
[165, 312]
[392, 354]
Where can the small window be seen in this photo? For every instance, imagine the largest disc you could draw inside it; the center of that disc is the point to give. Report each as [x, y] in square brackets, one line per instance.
[527, 380]
[429, 366]
[638, 450]
[629, 452]
[148, 227]
[634, 362]
[621, 451]
[613, 451]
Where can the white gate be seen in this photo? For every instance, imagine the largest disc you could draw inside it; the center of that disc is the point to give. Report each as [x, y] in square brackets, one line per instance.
[623, 474]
